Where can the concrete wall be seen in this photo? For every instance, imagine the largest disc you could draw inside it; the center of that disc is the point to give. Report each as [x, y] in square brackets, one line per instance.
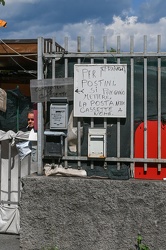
[92, 214]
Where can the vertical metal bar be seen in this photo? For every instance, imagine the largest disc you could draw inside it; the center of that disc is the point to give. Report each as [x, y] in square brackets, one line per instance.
[79, 60]
[17, 116]
[46, 50]
[0, 169]
[92, 44]
[66, 75]
[78, 122]
[158, 43]
[57, 49]
[118, 120]
[40, 109]
[92, 48]
[92, 119]
[118, 44]
[78, 44]
[105, 62]
[92, 122]
[53, 59]
[131, 44]
[105, 43]
[145, 45]
[29, 163]
[105, 47]
[92, 126]
[19, 178]
[66, 43]
[145, 103]
[132, 106]
[49, 47]
[79, 141]
[159, 102]
[46, 47]
[9, 172]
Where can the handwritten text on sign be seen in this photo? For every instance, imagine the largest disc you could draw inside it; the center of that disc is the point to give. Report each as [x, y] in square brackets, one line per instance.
[100, 90]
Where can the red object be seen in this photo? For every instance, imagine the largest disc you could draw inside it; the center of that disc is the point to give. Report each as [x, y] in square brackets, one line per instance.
[35, 117]
[152, 151]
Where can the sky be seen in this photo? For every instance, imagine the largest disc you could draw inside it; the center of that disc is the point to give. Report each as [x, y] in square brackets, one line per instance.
[30, 19]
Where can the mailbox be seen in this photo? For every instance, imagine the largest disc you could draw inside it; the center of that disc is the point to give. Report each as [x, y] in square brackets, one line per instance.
[53, 144]
[97, 143]
[58, 113]
[54, 137]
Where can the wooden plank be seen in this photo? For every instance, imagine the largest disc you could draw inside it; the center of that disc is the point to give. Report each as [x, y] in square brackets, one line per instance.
[18, 47]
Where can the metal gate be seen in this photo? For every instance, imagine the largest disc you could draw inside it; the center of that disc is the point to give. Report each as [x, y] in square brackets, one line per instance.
[12, 169]
[145, 100]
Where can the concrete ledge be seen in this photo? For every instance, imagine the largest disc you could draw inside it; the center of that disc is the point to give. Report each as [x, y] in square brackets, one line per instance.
[92, 214]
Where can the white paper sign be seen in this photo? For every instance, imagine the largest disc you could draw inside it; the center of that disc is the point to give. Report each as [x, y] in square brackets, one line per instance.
[100, 90]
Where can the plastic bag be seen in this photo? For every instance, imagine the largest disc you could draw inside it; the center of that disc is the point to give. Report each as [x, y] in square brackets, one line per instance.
[23, 148]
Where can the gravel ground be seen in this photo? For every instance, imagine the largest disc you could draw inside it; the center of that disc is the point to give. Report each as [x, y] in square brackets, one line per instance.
[9, 242]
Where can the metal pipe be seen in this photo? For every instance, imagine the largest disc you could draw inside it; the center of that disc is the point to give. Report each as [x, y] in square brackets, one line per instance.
[116, 159]
[19, 178]
[159, 103]
[92, 119]
[40, 131]
[9, 172]
[78, 122]
[118, 120]
[132, 116]
[0, 168]
[66, 75]
[145, 112]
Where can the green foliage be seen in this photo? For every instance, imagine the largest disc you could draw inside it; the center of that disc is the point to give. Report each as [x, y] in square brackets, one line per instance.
[2, 2]
[139, 245]
[112, 50]
[51, 248]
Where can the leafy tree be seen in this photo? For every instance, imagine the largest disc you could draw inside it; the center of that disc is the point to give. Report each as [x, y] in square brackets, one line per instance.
[2, 22]
[112, 50]
[2, 2]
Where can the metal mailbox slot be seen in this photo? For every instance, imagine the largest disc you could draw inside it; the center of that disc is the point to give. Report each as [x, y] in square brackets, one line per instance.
[54, 138]
[97, 143]
[58, 113]
[53, 144]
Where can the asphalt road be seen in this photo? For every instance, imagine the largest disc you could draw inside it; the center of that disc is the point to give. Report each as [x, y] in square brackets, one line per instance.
[9, 242]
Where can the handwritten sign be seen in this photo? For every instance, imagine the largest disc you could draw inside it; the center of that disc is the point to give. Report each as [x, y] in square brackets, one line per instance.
[100, 90]
[42, 90]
